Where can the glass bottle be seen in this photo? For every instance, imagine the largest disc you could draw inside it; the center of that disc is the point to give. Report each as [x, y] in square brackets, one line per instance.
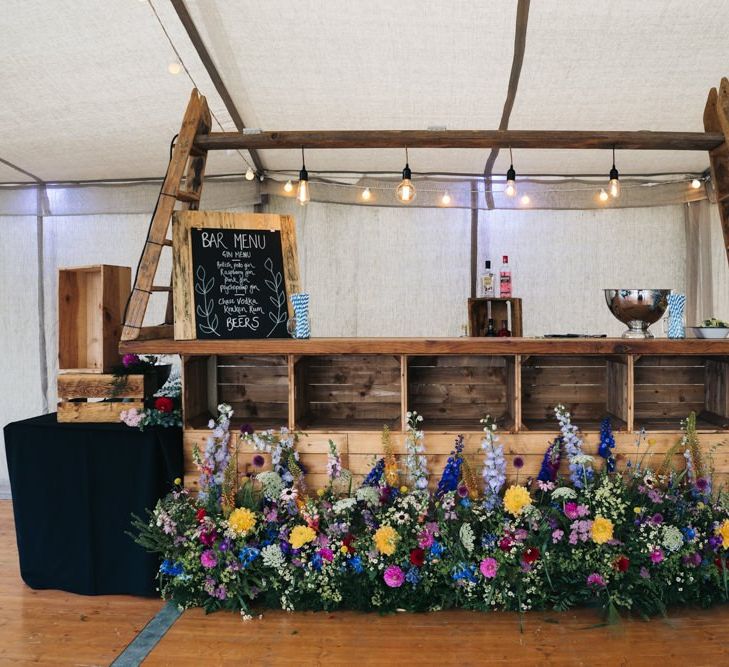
[491, 330]
[488, 281]
[505, 278]
[504, 331]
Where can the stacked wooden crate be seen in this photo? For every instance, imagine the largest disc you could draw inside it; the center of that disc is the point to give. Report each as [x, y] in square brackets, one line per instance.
[91, 301]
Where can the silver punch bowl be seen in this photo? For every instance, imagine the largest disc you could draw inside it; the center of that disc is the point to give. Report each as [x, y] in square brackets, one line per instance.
[638, 308]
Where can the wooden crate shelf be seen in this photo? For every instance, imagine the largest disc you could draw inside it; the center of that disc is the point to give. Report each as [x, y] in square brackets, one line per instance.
[581, 383]
[256, 387]
[667, 388]
[347, 392]
[455, 392]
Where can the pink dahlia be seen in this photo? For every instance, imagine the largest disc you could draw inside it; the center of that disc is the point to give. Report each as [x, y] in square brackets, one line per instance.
[394, 576]
[488, 567]
[208, 558]
[596, 580]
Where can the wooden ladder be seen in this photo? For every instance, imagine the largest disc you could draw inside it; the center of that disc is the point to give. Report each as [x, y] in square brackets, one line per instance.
[716, 119]
[183, 183]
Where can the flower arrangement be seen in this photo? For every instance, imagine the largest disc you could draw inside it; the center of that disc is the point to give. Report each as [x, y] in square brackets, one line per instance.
[163, 409]
[627, 539]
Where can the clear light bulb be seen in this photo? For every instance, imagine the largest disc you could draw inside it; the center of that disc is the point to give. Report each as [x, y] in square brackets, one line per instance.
[696, 184]
[603, 196]
[614, 183]
[406, 189]
[366, 194]
[250, 174]
[302, 193]
[446, 199]
[289, 186]
[510, 189]
[174, 67]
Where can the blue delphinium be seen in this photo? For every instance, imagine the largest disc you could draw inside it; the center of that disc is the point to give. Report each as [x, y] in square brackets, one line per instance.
[355, 562]
[494, 464]
[436, 550]
[452, 471]
[375, 475]
[550, 462]
[607, 444]
[412, 576]
[170, 568]
[579, 471]
[464, 571]
[247, 555]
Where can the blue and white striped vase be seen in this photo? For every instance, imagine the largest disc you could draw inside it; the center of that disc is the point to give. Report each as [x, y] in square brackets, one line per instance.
[300, 302]
[676, 307]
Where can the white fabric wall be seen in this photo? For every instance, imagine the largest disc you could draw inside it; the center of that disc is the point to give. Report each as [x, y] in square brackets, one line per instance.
[371, 272]
[562, 260]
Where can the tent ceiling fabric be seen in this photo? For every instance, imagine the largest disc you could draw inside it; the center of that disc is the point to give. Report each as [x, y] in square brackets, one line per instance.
[88, 94]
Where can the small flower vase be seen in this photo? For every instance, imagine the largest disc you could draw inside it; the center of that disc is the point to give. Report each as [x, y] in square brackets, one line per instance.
[676, 307]
[300, 328]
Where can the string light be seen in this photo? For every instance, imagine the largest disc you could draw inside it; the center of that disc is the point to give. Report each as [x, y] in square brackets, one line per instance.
[250, 174]
[603, 196]
[696, 184]
[614, 184]
[366, 194]
[525, 200]
[289, 186]
[446, 199]
[510, 189]
[406, 190]
[302, 194]
[174, 67]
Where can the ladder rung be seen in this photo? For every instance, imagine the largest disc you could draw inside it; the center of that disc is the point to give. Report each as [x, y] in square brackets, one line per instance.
[167, 242]
[197, 152]
[187, 195]
[161, 288]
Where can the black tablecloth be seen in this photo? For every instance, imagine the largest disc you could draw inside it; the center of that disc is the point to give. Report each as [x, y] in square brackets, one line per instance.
[74, 489]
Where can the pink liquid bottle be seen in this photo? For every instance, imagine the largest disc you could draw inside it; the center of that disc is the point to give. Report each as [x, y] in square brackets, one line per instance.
[505, 278]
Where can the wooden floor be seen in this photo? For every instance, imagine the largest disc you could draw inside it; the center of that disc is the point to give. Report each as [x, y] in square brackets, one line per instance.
[50, 627]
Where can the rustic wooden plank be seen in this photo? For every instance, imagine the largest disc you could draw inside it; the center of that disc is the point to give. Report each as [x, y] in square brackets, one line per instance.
[717, 387]
[716, 119]
[619, 382]
[90, 385]
[635, 140]
[437, 346]
[106, 411]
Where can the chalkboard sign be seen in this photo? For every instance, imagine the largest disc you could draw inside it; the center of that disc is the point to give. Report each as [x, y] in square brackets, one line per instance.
[239, 283]
[233, 275]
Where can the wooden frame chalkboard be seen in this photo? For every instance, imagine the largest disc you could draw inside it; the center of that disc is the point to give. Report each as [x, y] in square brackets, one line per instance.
[192, 258]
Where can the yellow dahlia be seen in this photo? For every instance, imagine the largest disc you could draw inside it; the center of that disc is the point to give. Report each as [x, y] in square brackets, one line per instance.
[602, 530]
[241, 521]
[516, 499]
[386, 538]
[301, 535]
[723, 530]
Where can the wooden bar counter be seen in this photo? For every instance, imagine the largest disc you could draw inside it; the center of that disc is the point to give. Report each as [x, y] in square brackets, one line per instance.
[347, 389]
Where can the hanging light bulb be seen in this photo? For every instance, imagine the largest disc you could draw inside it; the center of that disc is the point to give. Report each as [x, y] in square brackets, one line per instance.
[366, 194]
[446, 199]
[510, 189]
[406, 190]
[603, 196]
[250, 174]
[696, 184]
[302, 194]
[614, 184]
[289, 186]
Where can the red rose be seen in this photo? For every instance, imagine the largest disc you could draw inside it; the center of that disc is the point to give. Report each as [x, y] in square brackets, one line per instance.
[164, 404]
[622, 564]
[505, 543]
[530, 555]
[200, 515]
[417, 557]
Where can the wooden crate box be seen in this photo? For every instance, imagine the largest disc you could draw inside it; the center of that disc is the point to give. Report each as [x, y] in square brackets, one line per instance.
[88, 397]
[454, 392]
[590, 387]
[667, 388]
[91, 302]
[348, 392]
[256, 387]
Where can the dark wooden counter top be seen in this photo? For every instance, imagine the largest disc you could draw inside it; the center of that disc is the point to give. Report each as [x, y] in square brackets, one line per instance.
[424, 346]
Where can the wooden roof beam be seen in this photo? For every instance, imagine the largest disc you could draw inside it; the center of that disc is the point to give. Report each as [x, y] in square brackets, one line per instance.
[338, 139]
